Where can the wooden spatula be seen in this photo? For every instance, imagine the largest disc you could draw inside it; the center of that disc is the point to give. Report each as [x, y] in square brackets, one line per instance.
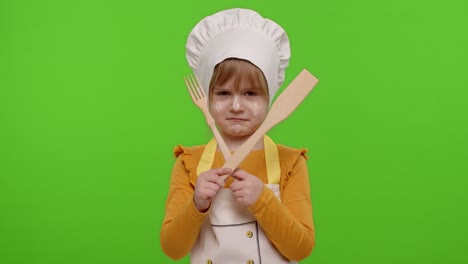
[283, 106]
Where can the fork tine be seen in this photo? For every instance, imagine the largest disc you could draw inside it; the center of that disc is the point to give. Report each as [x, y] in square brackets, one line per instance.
[190, 88]
[195, 86]
[200, 90]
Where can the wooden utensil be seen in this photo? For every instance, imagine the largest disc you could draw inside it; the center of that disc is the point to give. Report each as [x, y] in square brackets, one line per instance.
[199, 98]
[282, 107]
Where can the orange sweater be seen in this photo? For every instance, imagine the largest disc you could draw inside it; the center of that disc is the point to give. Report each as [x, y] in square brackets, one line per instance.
[287, 223]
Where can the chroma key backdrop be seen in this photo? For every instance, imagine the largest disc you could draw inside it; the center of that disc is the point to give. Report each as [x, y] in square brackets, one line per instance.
[92, 103]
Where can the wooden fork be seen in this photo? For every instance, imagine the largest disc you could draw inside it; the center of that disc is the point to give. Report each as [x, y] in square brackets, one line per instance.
[199, 98]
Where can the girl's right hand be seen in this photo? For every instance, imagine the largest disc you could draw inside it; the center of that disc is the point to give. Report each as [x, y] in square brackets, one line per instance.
[207, 186]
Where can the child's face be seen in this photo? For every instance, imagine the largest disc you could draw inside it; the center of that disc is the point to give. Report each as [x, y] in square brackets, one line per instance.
[238, 111]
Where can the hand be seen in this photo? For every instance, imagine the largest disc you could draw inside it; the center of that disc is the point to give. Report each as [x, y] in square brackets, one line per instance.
[246, 187]
[207, 186]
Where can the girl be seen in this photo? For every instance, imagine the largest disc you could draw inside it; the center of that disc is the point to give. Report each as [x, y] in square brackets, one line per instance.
[263, 213]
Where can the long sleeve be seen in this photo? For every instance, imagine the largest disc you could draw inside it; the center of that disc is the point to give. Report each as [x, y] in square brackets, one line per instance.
[288, 223]
[182, 221]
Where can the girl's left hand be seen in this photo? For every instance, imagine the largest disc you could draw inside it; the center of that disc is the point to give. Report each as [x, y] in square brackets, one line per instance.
[246, 187]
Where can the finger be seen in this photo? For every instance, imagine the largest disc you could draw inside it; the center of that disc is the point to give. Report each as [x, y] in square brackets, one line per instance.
[222, 171]
[213, 178]
[223, 177]
[236, 185]
[238, 194]
[235, 194]
[211, 186]
[221, 181]
[208, 194]
[240, 175]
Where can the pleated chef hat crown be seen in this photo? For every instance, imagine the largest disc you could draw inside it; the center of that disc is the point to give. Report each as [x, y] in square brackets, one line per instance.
[238, 33]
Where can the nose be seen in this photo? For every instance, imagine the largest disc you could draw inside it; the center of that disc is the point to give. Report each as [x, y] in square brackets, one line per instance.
[237, 104]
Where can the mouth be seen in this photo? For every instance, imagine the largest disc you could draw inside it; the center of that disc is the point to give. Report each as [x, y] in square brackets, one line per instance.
[236, 119]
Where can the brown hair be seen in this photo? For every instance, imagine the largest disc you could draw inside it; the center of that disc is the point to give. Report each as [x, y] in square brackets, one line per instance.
[239, 69]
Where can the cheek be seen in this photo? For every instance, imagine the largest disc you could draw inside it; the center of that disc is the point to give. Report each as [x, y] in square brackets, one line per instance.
[259, 109]
[218, 107]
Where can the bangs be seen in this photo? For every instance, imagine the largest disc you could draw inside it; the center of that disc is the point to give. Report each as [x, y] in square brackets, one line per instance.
[238, 70]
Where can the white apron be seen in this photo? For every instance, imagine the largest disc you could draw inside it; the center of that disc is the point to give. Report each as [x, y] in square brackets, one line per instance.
[231, 234]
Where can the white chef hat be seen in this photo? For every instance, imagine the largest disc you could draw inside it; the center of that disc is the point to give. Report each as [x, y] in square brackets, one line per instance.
[239, 33]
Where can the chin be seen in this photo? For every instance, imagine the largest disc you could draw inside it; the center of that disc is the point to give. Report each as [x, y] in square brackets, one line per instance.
[240, 134]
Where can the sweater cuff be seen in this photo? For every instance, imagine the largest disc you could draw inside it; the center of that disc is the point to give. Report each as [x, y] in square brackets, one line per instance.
[194, 214]
[263, 201]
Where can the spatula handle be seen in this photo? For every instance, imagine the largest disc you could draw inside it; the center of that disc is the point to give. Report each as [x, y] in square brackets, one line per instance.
[235, 160]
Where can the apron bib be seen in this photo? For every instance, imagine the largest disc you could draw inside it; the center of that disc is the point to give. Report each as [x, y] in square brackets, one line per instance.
[231, 234]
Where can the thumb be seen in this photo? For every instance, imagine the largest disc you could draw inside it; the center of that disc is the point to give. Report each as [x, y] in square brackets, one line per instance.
[221, 181]
[222, 173]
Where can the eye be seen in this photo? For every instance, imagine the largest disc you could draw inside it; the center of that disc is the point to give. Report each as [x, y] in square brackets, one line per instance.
[250, 93]
[222, 93]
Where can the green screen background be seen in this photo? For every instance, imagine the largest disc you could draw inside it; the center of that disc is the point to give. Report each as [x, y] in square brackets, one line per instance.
[92, 102]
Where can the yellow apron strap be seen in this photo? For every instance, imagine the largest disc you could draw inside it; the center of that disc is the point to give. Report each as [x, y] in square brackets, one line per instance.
[271, 159]
[207, 158]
